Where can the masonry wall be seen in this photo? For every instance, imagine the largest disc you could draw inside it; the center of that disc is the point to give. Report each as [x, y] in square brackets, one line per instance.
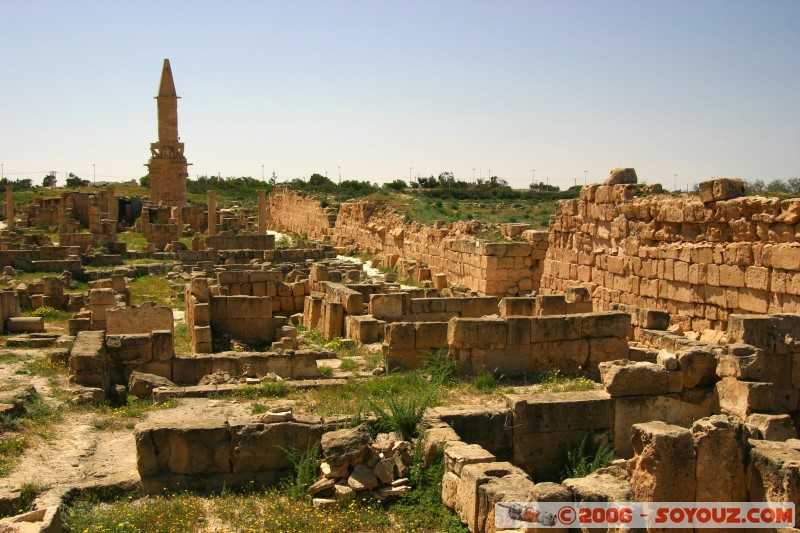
[290, 211]
[698, 261]
[490, 268]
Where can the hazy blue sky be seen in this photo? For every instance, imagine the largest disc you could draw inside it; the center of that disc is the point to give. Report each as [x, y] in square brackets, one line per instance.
[693, 88]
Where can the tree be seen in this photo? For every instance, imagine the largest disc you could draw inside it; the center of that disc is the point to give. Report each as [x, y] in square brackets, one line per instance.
[794, 185]
[317, 180]
[396, 185]
[75, 181]
[776, 186]
[49, 180]
[144, 181]
[757, 185]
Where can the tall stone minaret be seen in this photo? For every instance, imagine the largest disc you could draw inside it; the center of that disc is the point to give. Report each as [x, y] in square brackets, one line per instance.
[168, 167]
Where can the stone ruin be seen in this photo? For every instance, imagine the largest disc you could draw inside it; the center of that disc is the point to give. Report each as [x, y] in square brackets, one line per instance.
[680, 312]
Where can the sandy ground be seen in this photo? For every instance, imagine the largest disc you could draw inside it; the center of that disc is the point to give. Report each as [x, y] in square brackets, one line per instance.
[80, 455]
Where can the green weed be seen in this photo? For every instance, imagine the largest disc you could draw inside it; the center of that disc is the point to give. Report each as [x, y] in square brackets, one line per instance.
[585, 459]
[485, 382]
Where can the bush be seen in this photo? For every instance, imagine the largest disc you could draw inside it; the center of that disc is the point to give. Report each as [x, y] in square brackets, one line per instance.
[585, 459]
[304, 465]
[404, 413]
[440, 367]
[48, 313]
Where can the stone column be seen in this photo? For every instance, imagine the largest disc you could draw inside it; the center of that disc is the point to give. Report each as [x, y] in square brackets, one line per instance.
[262, 212]
[113, 206]
[10, 207]
[212, 212]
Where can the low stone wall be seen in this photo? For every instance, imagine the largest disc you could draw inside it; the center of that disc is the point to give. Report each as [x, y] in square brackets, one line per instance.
[535, 344]
[409, 344]
[104, 361]
[300, 364]
[286, 297]
[709, 461]
[240, 242]
[486, 267]
[216, 453]
[141, 319]
[246, 318]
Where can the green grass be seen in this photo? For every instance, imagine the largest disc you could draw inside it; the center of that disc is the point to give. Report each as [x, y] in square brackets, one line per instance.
[155, 288]
[182, 344]
[134, 241]
[554, 380]
[126, 416]
[348, 365]
[19, 433]
[326, 371]
[181, 512]
[267, 389]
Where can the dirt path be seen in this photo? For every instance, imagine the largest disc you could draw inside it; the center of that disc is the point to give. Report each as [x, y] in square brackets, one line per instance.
[78, 455]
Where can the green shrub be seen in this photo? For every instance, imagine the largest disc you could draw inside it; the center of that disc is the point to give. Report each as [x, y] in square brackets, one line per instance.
[585, 459]
[326, 370]
[440, 367]
[422, 508]
[402, 413]
[304, 471]
[274, 389]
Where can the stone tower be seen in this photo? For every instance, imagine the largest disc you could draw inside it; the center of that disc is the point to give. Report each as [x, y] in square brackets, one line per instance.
[168, 167]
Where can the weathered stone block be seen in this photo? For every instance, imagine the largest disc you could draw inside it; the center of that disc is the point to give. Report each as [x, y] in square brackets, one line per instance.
[629, 378]
[664, 465]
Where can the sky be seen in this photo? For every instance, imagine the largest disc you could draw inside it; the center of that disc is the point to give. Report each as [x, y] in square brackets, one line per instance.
[381, 90]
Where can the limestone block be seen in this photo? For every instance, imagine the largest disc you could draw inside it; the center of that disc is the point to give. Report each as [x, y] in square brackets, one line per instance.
[681, 409]
[430, 336]
[102, 297]
[604, 324]
[402, 335]
[771, 427]
[555, 328]
[364, 329]
[630, 378]
[773, 474]
[344, 445]
[610, 484]
[459, 454]
[698, 366]
[554, 304]
[664, 464]
[720, 471]
[621, 176]
[514, 487]
[450, 483]
[190, 447]
[517, 306]
[474, 476]
[386, 306]
[260, 447]
[741, 398]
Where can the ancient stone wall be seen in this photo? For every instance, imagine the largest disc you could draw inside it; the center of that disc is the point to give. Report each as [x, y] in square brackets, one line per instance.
[290, 211]
[699, 260]
[496, 268]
